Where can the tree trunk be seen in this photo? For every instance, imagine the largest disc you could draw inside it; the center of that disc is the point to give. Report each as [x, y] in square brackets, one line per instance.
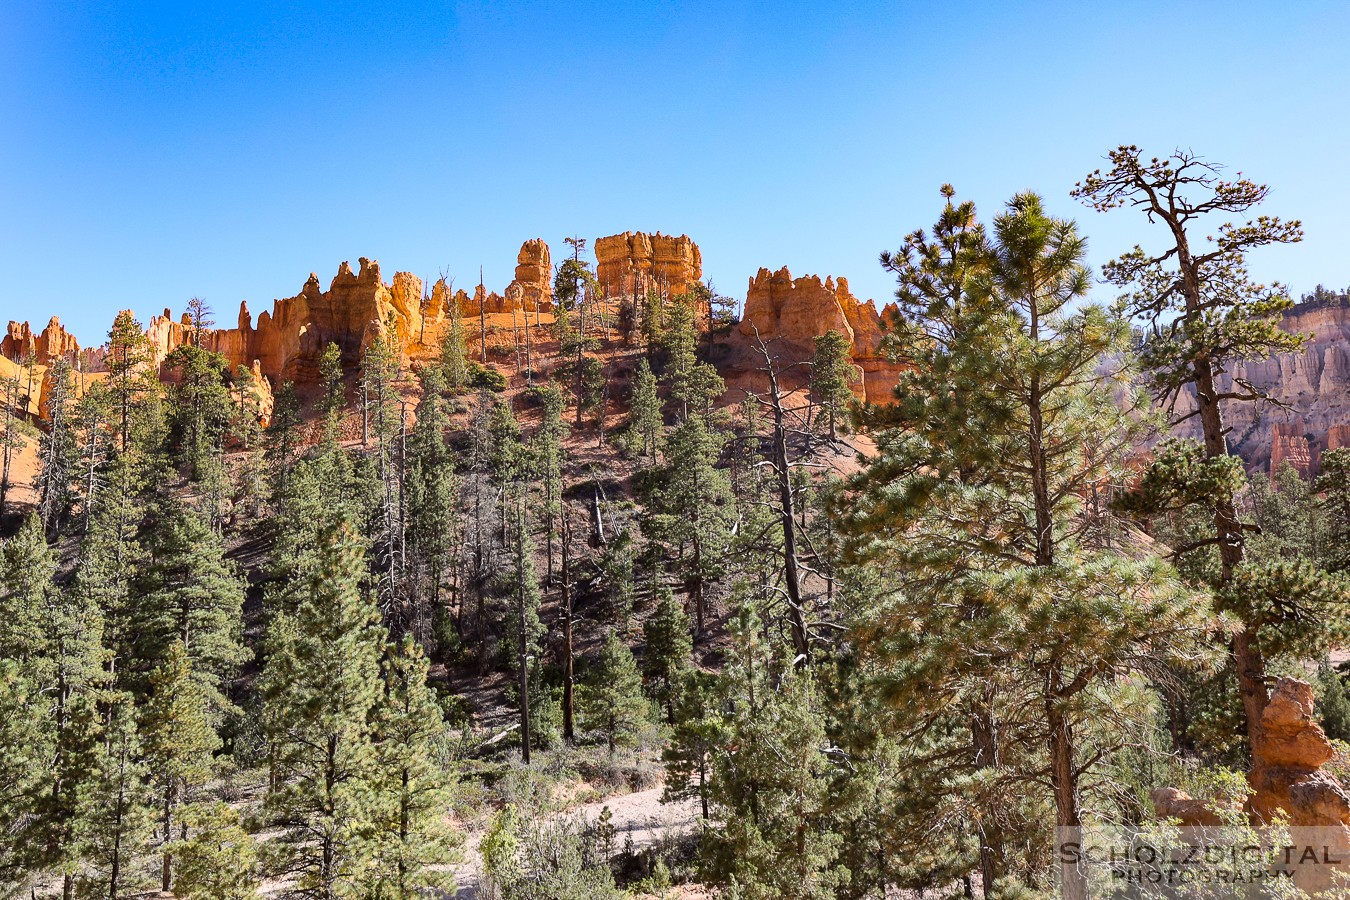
[1247, 656]
[984, 739]
[792, 576]
[1064, 780]
[166, 870]
[569, 679]
[524, 647]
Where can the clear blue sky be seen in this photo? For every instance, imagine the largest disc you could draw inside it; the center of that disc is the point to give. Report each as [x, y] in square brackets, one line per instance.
[154, 151]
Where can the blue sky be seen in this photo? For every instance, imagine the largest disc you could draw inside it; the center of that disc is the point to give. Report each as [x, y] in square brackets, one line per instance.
[155, 151]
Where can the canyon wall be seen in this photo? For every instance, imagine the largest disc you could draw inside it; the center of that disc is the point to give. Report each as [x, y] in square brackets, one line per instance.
[635, 262]
[793, 312]
[1314, 384]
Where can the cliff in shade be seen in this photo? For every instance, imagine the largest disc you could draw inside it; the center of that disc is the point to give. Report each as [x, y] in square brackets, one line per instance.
[1313, 386]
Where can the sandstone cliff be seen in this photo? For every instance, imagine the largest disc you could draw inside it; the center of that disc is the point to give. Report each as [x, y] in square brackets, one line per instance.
[288, 341]
[1314, 383]
[794, 312]
[20, 343]
[635, 262]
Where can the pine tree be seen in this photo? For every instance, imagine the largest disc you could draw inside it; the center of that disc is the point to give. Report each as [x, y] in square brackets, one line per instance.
[454, 349]
[114, 806]
[334, 400]
[548, 455]
[644, 416]
[1334, 485]
[611, 701]
[1204, 313]
[573, 286]
[130, 380]
[57, 636]
[219, 859]
[653, 320]
[247, 416]
[25, 751]
[524, 630]
[699, 732]
[188, 594]
[282, 438]
[91, 415]
[689, 509]
[1005, 416]
[694, 385]
[592, 387]
[1333, 704]
[57, 448]
[27, 566]
[179, 744]
[771, 780]
[321, 684]
[433, 509]
[832, 374]
[411, 842]
[199, 408]
[669, 654]
[11, 438]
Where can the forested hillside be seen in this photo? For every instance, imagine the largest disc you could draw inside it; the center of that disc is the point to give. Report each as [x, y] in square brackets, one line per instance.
[379, 617]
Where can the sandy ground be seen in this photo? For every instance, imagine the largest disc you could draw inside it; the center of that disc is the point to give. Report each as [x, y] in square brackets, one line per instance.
[23, 467]
[640, 816]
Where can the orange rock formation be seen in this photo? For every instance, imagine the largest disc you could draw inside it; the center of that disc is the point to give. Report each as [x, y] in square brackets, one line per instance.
[534, 276]
[1286, 779]
[1289, 443]
[288, 341]
[20, 343]
[635, 262]
[796, 311]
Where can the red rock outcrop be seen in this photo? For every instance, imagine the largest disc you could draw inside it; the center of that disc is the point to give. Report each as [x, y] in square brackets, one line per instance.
[531, 289]
[1287, 780]
[1286, 776]
[1289, 443]
[534, 277]
[796, 311]
[1171, 803]
[288, 341]
[1290, 747]
[20, 342]
[635, 262]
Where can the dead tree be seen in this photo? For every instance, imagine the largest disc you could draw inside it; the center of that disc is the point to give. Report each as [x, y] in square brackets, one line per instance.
[568, 615]
[786, 509]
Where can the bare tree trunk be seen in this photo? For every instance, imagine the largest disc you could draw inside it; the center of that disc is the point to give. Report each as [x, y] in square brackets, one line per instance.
[791, 570]
[524, 646]
[515, 332]
[1064, 779]
[569, 678]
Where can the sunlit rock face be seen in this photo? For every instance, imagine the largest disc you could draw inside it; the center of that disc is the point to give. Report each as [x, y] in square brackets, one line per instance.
[633, 263]
[794, 311]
